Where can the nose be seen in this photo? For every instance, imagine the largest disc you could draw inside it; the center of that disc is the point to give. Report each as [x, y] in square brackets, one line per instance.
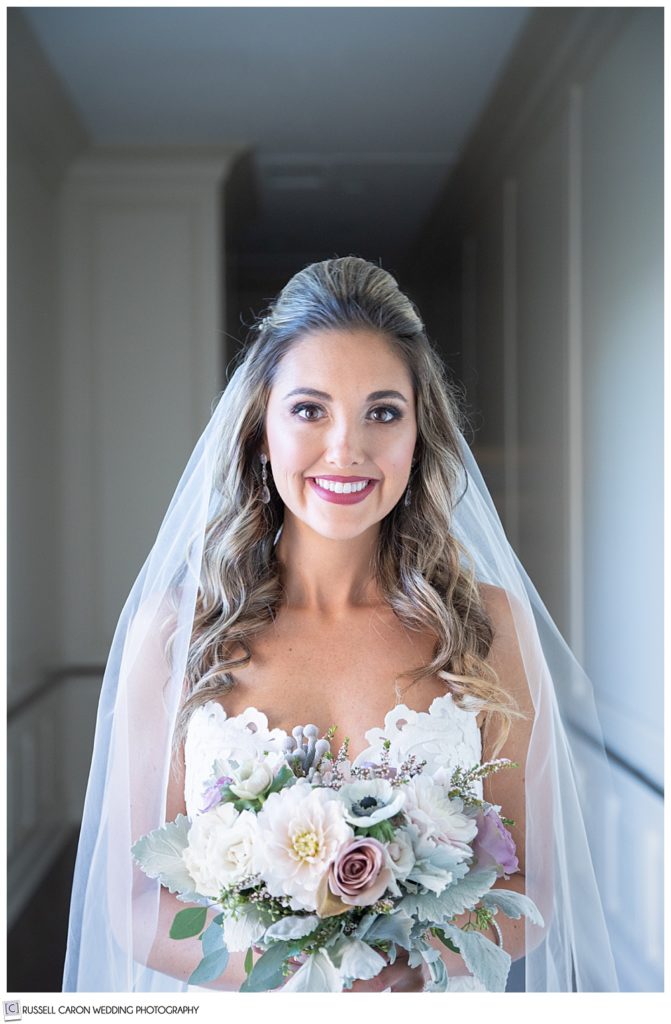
[344, 445]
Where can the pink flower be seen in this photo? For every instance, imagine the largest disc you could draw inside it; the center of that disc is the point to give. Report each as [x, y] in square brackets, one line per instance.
[494, 846]
[360, 872]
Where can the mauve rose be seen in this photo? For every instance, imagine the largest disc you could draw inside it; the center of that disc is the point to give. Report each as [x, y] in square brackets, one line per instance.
[360, 872]
[494, 846]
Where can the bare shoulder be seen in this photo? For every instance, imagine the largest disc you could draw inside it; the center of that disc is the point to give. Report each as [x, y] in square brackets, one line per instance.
[510, 620]
[499, 606]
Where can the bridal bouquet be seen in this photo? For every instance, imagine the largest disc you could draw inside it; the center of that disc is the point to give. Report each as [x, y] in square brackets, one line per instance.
[313, 859]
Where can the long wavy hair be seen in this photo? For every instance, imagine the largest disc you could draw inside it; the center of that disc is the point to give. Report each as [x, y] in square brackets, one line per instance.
[422, 570]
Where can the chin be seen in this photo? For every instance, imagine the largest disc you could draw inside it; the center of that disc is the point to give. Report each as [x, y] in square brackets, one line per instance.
[336, 531]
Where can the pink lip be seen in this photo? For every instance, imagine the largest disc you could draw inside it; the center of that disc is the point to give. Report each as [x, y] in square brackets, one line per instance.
[343, 499]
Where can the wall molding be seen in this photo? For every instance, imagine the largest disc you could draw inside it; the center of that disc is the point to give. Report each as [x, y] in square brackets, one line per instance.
[558, 47]
[40, 117]
[49, 745]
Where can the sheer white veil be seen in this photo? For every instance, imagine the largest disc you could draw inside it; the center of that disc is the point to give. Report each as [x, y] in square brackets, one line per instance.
[114, 915]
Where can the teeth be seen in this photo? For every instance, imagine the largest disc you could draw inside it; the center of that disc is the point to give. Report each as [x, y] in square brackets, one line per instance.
[338, 487]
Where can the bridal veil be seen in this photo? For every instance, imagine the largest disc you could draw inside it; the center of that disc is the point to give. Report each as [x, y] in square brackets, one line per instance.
[114, 916]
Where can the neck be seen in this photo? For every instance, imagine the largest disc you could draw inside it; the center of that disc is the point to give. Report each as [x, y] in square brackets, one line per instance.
[324, 576]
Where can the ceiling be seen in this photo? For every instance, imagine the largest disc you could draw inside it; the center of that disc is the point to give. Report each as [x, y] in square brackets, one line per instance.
[354, 116]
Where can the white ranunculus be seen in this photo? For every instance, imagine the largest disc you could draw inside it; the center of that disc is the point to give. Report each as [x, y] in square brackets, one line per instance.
[251, 778]
[429, 807]
[230, 849]
[219, 852]
[300, 831]
[368, 801]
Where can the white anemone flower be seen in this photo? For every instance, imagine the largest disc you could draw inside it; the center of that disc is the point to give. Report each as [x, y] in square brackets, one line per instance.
[300, 830]
[369, 801]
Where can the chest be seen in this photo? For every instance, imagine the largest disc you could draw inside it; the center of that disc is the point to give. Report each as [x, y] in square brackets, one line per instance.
[346, 673]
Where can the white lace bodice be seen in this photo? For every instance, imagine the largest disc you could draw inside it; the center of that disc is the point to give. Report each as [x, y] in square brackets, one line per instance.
[445, 736]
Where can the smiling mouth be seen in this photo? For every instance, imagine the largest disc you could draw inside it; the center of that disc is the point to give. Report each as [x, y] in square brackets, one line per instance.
[342, 490]
[340, 486]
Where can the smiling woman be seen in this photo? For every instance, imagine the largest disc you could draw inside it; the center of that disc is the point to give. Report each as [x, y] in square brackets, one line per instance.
[332, 565]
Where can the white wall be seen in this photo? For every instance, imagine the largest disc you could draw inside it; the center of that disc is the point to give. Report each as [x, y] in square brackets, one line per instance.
[44, 134]
[622, 117]
[143, 360]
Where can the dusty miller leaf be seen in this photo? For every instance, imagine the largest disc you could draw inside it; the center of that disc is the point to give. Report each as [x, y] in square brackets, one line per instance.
[159, 854]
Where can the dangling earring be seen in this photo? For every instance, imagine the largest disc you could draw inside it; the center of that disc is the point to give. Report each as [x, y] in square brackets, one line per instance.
[408, 490]
[265, 493]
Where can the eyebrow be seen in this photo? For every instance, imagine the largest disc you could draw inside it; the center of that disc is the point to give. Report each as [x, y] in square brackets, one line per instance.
[372, 397]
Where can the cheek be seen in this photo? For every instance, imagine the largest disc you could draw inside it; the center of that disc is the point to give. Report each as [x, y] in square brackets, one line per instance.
[289, 449]
[399, 455]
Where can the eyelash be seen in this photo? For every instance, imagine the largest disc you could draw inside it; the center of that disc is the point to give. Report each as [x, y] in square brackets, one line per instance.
[297, 409]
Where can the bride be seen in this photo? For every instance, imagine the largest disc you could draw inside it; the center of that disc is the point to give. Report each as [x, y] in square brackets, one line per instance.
[332, 556]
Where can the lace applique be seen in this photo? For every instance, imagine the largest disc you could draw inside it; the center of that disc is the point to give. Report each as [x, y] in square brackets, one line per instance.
[212, 736]
[444, 736]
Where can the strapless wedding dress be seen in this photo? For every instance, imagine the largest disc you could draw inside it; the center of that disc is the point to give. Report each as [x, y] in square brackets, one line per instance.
[446, 736]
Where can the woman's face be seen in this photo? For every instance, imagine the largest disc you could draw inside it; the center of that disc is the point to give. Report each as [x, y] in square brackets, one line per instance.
[341, 430]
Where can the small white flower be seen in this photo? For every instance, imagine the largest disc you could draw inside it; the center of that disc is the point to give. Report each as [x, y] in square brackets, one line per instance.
[219, 852]
[254, 776]
[300, 831]
[371, 800]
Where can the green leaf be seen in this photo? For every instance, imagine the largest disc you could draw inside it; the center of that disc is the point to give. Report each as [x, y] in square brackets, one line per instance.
[440, 934]
[383, 830]
[267, 972]
[247, 805]
[249, 961]
[394, 927]
[284, 776]
[210, 967]
[188, 922]
[213, 937]
[159, 854]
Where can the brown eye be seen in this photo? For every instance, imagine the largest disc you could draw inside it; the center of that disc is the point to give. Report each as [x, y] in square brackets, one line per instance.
[387, 414]
[307, 411]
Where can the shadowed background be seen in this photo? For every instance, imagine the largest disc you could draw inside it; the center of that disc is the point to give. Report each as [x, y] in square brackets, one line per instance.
[169, 170]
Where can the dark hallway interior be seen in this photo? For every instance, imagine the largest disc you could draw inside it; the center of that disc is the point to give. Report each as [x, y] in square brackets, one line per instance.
[39, 934]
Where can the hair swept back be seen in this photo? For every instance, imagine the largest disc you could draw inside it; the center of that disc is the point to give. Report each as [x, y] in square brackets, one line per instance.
[422, 570]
